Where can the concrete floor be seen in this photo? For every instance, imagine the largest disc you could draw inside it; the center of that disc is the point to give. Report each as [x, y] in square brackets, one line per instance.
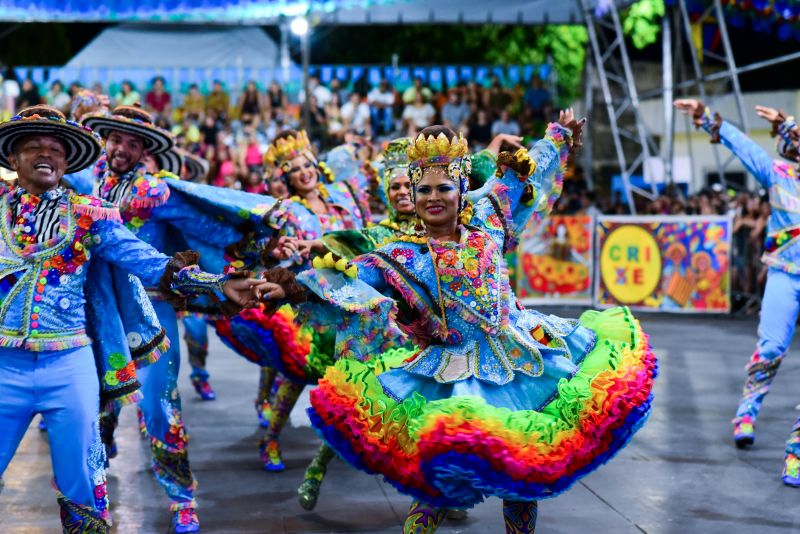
[681, 473]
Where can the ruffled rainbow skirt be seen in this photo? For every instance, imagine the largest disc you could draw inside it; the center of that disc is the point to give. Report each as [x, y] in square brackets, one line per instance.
[453, 452]
[278, 340]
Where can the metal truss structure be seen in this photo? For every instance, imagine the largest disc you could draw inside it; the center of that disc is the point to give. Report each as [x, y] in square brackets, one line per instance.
[633, 142]
[707, 84]
[709, 74]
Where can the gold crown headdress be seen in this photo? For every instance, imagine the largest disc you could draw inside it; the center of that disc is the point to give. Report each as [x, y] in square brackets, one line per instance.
[285, 149]
[439, 151]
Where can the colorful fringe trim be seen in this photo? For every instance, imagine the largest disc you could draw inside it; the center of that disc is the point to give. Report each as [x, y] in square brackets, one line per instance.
[453, 452]
[117, 403]
[273, 340]
[108, 212]
[151, 352]
[79, 339]
[555, 135]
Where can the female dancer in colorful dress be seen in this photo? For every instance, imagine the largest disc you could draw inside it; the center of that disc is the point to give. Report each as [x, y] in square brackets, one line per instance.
[499, 401]
[318, 208]
[347, 244]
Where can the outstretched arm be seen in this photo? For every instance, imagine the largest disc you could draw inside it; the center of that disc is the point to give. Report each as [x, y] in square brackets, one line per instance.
[116, 244]
[530, 181]
[750, 153]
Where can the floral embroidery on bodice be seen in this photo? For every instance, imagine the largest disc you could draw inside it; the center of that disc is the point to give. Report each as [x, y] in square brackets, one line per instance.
[469, 275]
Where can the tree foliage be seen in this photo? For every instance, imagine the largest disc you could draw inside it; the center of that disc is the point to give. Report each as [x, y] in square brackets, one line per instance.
[562, 46]
[642, 22]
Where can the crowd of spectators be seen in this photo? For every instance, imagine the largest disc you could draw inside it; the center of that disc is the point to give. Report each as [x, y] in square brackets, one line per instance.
[232, 128]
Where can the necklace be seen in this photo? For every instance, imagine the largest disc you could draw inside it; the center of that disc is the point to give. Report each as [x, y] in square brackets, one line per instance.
[439, 293]
[323, 196]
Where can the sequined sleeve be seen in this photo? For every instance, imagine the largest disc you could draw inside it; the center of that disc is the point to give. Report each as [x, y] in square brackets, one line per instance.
[364, 318]
[753, 157]
[529, 186]
[192, 222]
[117, 245]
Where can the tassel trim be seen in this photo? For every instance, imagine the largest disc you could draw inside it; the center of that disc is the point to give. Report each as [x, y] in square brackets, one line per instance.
[151, 352]
[149, 202]
[119, 403]
[101, 213]
[45, 344]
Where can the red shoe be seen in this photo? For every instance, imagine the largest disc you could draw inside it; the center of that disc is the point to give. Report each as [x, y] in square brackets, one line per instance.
[185, 521]
[203, 388]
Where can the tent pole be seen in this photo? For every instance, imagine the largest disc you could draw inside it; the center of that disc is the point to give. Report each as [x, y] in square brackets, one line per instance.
[306, 60]
[284, 52]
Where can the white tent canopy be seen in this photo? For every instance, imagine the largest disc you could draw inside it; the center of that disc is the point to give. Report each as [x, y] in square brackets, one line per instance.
[166, 46]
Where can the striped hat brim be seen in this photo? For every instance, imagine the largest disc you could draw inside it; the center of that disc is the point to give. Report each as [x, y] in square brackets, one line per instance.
[83, 146]
[196, 167]
[156, 140]
[169, 161]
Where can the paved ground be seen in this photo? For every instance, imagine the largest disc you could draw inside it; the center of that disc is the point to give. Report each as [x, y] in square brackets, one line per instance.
[681, 473]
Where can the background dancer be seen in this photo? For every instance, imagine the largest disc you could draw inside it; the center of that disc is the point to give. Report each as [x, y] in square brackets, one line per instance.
[781, 302]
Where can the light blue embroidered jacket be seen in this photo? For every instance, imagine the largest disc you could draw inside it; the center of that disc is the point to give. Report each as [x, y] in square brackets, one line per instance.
[782, 245]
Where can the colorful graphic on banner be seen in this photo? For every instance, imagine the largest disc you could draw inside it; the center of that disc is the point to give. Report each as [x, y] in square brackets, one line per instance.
[554, 261]
[679, 264]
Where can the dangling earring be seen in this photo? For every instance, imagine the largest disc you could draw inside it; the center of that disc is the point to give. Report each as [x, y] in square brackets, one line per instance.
[419, 225]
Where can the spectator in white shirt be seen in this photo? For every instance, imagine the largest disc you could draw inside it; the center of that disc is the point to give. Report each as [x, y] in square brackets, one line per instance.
[505, 125]
[356, 115]
[322, 93]
[418, 115]
[381, 103]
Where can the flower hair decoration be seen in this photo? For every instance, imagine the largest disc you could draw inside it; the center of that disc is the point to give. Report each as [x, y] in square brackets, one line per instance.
[282, 151]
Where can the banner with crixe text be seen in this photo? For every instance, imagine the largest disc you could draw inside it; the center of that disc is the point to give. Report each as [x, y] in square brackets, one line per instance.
[671, 264]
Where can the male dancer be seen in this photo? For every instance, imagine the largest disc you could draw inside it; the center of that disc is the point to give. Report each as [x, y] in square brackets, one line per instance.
[49, 238]
[781, 303]
[166, 220]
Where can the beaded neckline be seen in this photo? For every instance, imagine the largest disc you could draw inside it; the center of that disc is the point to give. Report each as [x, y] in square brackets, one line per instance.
[35, 248]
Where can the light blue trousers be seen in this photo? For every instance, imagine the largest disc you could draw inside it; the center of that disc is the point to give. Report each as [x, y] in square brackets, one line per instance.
[779, 311]
[64, 388]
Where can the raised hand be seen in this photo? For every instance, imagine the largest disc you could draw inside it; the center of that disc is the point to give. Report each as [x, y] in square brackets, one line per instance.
[566, 118]
[689, 106]
[767, 113]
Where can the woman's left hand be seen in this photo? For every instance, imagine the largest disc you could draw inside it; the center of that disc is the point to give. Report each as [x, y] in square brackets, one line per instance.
[242, 291]
[269, 291]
